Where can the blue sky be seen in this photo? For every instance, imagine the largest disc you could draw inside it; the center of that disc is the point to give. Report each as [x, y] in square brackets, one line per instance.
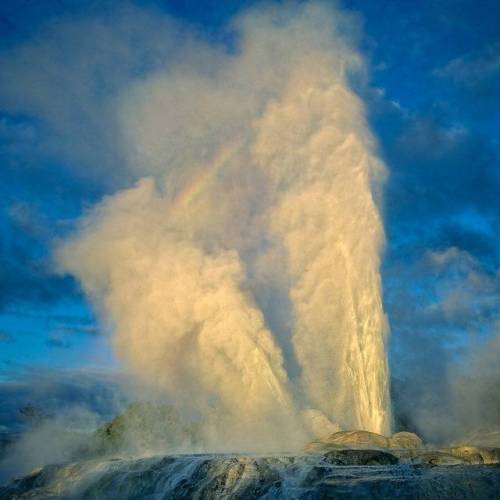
[433, 103]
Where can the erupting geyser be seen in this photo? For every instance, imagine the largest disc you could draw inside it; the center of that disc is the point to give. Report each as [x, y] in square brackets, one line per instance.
[241, 272]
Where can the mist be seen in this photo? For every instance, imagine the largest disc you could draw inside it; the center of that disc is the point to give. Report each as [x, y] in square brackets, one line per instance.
[50, 415]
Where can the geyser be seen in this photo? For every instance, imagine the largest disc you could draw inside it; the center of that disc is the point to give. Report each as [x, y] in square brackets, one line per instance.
[241, 272]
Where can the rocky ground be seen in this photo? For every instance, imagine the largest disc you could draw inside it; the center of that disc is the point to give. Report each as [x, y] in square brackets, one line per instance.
[345, 465]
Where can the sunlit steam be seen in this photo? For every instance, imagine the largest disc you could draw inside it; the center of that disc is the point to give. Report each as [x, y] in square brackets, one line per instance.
[241, 273]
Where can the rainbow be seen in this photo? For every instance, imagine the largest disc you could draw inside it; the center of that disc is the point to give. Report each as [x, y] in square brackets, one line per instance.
[206, 174]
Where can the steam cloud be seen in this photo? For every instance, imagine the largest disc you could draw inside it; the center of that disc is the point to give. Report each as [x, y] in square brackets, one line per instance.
[241, 272]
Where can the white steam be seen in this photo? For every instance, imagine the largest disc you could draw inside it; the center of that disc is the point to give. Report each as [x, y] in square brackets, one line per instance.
[241, 273]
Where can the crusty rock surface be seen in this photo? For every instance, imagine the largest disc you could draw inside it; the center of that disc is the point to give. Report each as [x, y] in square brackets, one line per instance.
[305, 477]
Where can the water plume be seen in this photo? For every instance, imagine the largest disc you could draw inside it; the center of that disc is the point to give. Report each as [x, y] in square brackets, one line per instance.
[241, 272]
[324, 216]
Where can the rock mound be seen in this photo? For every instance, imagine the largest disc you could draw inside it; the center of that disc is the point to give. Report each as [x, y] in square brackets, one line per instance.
[365, 439]
[407, 440]
[442, 457]
[476, 454]
[484, 438]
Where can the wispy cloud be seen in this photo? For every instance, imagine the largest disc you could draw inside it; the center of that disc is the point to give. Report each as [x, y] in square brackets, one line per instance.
[474, 67]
